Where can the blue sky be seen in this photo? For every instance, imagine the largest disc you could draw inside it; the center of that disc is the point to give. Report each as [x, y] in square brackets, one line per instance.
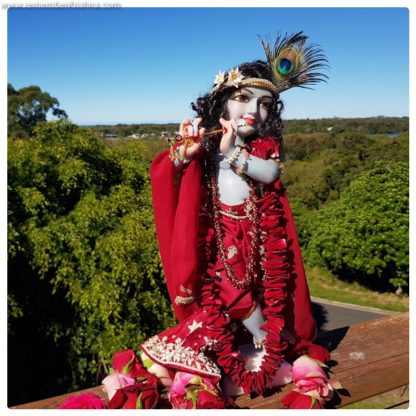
[136, 65]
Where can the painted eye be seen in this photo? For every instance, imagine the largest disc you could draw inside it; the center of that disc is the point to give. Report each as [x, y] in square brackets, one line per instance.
[285, 66]
[266, 104]
[241, 97]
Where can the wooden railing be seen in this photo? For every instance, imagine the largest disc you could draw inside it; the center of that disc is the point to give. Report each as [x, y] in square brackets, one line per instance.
[368, 358]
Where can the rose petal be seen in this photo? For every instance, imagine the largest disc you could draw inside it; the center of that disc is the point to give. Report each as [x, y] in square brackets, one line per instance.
[83, 401]
[114, 382]
[305, 367]
[179, 383]
[335, 384]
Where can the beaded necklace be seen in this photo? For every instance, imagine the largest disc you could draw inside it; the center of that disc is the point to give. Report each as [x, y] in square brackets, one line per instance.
[250, 208]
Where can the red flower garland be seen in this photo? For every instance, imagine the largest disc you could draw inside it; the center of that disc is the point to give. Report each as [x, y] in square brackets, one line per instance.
[276, 268]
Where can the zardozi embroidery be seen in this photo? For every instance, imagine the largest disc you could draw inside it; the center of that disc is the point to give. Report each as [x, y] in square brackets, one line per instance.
[174, 353]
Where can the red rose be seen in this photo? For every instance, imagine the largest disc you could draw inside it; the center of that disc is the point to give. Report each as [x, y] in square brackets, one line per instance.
[83, 401]
[125, 398]
[127, 362]
[318, 353]
[148, 399]
[207, 400]
[136, 396]
[314, 351]
[295, 400]
[179, 402]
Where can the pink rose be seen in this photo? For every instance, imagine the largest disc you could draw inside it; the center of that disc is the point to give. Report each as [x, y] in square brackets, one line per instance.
[83, 401]
[310, 379]
[180, 382]
[190, 391]
[115, 381]
[306, 367]
[283, 374]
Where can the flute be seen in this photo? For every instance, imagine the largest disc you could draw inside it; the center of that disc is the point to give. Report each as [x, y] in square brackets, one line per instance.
[179, 139]
[179, 152]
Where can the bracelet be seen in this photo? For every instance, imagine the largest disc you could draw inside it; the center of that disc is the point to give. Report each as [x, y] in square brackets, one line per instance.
[176, 153]
[231, 160]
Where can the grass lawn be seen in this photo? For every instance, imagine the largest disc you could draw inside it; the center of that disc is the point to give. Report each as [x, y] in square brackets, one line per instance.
[385, 400]
[324, 285]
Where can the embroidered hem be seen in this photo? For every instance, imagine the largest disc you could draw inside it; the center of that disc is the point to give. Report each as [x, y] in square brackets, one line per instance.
[175, 354]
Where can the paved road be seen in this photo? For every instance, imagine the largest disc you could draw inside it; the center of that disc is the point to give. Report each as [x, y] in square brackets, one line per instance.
[332, 315]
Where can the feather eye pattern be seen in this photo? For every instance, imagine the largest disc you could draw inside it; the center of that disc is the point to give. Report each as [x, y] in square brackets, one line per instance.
[293, 62]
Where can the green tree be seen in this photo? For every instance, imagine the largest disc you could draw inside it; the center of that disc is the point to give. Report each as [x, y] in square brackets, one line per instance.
[27, 107]
[364, 234]
[85, 276]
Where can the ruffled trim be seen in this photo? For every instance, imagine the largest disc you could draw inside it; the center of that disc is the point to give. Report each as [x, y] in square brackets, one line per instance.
[276, 275]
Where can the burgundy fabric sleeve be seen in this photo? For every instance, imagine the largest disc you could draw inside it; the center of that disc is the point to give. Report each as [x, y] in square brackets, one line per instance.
[176, 211]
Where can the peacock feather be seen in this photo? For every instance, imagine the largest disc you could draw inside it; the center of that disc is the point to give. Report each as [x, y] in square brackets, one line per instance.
[293, 62]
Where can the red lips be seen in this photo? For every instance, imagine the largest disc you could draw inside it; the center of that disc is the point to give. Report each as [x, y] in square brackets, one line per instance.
[250, 121]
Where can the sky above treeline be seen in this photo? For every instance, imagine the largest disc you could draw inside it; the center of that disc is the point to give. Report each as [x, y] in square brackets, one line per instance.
[139, 65]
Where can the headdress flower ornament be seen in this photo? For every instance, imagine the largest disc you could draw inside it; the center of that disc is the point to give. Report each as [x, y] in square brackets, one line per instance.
[219, 80]
[292, 63]
[234, 77]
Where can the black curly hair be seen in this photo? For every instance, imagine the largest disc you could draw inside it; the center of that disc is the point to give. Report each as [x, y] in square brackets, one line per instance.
[211, 106]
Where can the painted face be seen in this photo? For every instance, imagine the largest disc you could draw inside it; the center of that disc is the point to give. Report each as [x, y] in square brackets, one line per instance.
[250, 107]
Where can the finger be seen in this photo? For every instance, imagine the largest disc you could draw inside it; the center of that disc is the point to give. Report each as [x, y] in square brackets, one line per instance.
[223, 122]
[202, 132]
[182, 126]
[195, 128]
[200, 135]
[185, 123]
[197, 122]
[189, 130]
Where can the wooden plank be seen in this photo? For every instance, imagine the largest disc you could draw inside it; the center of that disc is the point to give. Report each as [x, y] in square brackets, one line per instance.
[372, 358]
[369, 358]
[54, 402]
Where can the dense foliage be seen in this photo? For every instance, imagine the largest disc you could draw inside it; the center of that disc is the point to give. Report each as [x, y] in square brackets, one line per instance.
[319, 165]
[364, 234]
[27, 107]
[84, 269]
[369, 125]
